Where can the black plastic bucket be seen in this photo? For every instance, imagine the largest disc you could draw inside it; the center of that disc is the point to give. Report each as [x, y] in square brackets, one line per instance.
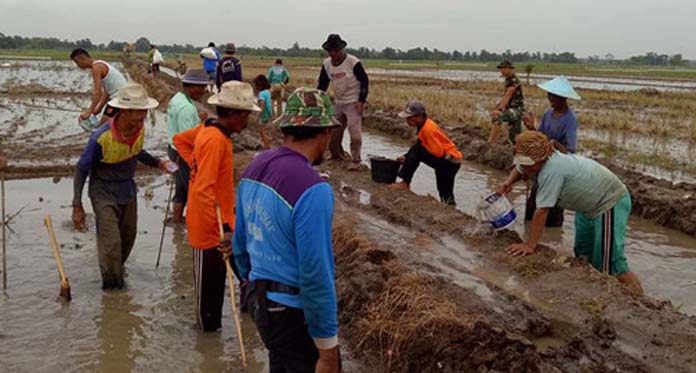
[384, 170]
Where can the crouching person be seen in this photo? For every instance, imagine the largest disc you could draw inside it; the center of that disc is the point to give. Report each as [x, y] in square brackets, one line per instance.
[433, 148]
[282, 241]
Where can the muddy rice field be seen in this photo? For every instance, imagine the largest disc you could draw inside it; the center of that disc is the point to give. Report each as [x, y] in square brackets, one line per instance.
[422, 287]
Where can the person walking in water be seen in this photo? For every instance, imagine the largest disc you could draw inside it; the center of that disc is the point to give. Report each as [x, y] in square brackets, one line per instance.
[350, 86]
[107, 82]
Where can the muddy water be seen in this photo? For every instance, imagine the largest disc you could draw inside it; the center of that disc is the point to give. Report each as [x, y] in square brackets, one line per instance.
[664, 259]
[58, 76]
[597, 83]
[147, 327]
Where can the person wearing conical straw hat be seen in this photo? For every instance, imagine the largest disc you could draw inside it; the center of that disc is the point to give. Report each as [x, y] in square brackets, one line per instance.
[110, 160]
[282, 241]
[558, 123]
[601, 202]
[208, 150]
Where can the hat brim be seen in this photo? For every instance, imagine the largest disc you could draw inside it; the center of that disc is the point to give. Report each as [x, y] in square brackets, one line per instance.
[214, 100]
[196, 82]
[523, 160]
[291, 121]
[333, 47]
[405, 114]
[151, 104]
[569, 93]
[504, 66]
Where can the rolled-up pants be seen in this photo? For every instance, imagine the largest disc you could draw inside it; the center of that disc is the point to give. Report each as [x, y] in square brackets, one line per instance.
[117, 226]
[349, 118]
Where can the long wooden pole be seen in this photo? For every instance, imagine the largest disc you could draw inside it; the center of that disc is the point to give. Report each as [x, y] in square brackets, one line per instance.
[4, 238]
[64, 284]
[164, 224]
[233, 298]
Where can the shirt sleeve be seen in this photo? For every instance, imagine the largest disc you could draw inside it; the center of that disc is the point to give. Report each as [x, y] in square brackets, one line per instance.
[323, 80]
[241, 255]
[361, 75]
[286, 76]
[312, 216]
[148, 159]
[90, 155]
[238, 71]
[188, 118]
[183, 141]
[208, 162]
[571, 138]
[550, 185]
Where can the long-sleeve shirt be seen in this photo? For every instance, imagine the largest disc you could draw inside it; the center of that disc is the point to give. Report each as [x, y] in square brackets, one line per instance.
[563, 129]
[229, 68]
[436, 141]
[278, 74]
[207, 149]
[181, 115]
[350, 82]
[110, 162]
[283, 234]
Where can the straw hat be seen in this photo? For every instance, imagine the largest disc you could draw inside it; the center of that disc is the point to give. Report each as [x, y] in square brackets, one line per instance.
[235, 95]
[560, 86]
[132, 96]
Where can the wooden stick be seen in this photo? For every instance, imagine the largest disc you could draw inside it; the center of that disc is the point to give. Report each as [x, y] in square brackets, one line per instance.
[164, 224]
[233, 298]
[4, 238]
[64, 284]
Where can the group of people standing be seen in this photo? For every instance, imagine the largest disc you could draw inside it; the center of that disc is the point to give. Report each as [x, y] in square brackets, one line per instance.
[277, 224]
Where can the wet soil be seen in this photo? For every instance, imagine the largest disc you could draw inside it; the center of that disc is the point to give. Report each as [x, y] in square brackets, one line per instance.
[669, 204]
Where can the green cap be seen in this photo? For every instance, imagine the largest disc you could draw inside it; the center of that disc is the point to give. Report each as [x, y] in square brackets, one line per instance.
[307, 107]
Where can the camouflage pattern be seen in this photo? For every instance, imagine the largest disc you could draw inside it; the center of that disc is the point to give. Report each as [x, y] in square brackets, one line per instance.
[307, 107]
[517, 100]
[512, 115]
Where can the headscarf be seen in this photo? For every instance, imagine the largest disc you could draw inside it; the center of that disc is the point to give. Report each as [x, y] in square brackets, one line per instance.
[537, 146]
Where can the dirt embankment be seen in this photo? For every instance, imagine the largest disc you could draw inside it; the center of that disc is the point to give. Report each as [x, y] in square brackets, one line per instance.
[665, 203]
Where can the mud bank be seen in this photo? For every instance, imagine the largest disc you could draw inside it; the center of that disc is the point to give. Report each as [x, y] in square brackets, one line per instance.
[672, 205]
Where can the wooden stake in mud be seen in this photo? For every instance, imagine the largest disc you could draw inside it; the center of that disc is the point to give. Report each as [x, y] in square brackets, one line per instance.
[230, 279]
[164, 224]
[64, 284]
[4, 251]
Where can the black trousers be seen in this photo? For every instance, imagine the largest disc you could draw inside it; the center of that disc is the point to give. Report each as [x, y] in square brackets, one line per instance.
[555, 218]
[181, 179]
[209, 276]
[283, 331]
[445, 171]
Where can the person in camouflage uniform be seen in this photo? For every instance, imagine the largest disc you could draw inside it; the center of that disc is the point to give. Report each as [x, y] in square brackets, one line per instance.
[511, 107]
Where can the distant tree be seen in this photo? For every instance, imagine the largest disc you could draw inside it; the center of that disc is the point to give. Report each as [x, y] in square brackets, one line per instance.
[609, 57]
[528, 68]
[676, 60]
[142, 44]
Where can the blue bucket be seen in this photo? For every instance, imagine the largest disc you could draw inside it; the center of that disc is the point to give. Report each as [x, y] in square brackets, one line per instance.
[498, 211]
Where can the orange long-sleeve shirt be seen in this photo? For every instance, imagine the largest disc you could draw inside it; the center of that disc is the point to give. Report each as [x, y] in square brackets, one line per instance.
[207, 149]
[436, 142]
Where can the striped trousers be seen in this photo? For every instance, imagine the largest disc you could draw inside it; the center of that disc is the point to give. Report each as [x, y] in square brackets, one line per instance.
[209, 275]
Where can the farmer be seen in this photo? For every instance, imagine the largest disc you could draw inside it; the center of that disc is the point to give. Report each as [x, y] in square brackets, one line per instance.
[228, 68]
[558, 123]
[510, 108]
[155, 58]
[350, 85]
[182, 115]
[110, 159]
[107, 81]
[210, 63]
[282, 241]
[207, 149]
[433, 148]
[601, 201]
[278, 76]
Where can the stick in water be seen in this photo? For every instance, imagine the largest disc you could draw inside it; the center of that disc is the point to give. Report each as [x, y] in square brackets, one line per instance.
[237, 324]
[164, 224]
[4, 223]
[64, 284]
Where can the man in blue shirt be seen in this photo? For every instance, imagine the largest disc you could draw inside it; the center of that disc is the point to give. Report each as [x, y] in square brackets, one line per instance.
[210, 62]
[282, 241]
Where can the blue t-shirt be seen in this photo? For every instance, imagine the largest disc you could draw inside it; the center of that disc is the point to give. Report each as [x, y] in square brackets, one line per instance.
[563, 129]
[283, 233]
[267, 111]
[210, 65]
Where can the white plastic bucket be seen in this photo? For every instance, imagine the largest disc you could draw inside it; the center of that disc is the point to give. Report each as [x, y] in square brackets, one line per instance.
[498, 211]
[90, 124]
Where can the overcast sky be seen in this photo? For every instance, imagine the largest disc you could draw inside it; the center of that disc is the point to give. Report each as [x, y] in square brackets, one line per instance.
[586, 27]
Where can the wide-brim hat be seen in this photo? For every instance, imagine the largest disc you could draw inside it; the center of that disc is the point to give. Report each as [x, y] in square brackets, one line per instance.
[334, 42]
[230, 48]
[235, 95]
[196, 77]
[560, 86]
[505, 63]
[133, 96]
[308, 107]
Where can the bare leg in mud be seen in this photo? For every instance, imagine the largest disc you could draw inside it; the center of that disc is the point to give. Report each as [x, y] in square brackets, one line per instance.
[631, 280]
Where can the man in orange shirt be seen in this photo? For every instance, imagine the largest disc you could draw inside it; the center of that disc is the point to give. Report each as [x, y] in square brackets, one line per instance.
[433, 148]
[207, 148]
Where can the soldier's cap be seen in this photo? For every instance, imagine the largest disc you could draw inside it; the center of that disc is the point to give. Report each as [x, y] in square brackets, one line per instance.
[308, 107]
[413, 108]
[505, 63]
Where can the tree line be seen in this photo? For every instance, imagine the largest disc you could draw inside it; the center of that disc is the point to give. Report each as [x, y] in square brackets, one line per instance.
[414, 54]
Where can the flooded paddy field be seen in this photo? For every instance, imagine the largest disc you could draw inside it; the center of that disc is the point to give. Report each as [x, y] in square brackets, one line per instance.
[421, 287]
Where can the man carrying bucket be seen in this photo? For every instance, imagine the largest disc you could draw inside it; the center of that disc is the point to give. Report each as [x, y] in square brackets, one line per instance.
[282, 241]
[601, 201]
[433, 148]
